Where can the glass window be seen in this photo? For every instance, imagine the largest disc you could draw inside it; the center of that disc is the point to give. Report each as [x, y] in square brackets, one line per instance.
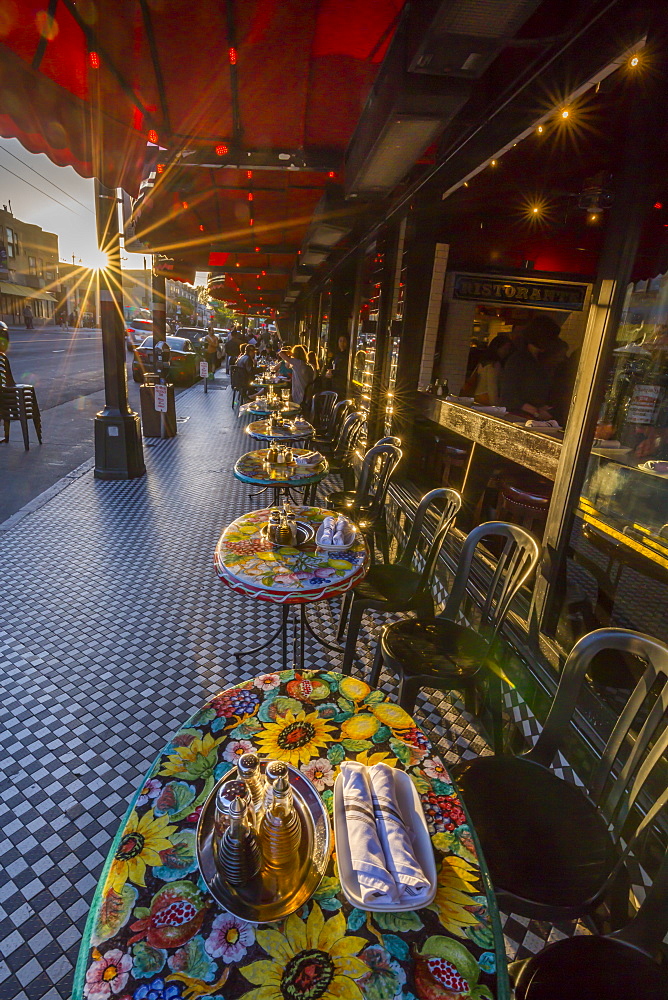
[617, 566]
[10, 243]
[32, 265]
[40, 266]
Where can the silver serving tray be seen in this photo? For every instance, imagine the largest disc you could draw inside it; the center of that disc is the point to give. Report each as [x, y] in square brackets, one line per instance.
[305, 532]
[271, 895]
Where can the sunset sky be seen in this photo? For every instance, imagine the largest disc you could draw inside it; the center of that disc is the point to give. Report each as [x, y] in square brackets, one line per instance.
[58, 200]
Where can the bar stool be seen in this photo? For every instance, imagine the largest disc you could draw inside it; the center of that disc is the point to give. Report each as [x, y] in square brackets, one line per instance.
[525, 503]
[454, 459]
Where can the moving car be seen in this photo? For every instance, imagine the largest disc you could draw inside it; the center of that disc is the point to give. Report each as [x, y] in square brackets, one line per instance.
[183, 364]
[136, 331]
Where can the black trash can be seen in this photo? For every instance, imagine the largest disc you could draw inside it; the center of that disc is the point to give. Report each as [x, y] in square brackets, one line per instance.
[150, 417]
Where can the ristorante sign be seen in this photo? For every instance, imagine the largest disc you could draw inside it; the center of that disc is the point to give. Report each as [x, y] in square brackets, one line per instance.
[520, 292]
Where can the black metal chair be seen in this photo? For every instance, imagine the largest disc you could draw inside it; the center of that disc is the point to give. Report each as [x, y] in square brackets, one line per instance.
[400, 586]
[611, 967]
[341, 457]
[328, 439]
[322, 409]
[18, 402]
[554, 851]
[238, 384]
[449, 655]
[366, 504]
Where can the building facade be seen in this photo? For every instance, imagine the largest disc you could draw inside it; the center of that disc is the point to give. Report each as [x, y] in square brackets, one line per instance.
[28, 270]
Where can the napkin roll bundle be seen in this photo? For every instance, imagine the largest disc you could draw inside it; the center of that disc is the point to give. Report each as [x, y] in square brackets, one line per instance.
[381, 851]
[542, 423]
[310, 458]
[336, 531]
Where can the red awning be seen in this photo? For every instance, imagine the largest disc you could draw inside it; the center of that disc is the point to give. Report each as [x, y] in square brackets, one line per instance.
[86, 81]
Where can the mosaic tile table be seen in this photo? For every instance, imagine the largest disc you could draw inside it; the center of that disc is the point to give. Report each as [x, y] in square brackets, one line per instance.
[261, 430]
[262, 407]
[155, 933]
[253, 566]
[252, 468]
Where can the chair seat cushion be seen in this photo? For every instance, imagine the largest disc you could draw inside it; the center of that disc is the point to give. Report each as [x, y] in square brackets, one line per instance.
[391, 582]
[591, 968]
[340, 500]
[541, 836]
[435, 646]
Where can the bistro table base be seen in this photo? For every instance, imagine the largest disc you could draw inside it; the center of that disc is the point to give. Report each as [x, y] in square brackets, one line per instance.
[300, 624]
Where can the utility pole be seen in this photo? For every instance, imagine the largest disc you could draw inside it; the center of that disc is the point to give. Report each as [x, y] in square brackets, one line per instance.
[118, 447]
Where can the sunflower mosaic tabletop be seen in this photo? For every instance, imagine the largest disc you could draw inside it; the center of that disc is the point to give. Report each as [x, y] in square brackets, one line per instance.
[252, 468]
[155, 933]
[250, 564]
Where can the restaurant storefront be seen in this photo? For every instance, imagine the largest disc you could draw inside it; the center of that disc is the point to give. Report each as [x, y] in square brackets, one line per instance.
[568, 223]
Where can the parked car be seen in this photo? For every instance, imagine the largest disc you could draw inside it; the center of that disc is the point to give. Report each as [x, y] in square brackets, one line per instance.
[136, 331]
[183, 363]
[198, 337]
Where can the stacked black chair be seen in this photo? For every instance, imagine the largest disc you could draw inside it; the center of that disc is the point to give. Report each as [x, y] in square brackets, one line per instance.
[611, 967]
[400, 586]
[18, 402]
[446, 654]
[554, 850]
[366, 504]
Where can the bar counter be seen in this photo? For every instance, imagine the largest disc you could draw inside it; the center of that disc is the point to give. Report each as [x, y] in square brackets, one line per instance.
[511, 439]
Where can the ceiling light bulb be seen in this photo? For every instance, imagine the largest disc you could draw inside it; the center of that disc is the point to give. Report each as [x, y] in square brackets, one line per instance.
[634, 61]
[565, 113]
[540, 130]
[536, 210]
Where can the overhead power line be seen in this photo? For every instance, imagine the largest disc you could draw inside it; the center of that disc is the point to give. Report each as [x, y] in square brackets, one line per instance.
[40, 191]
[45, 178]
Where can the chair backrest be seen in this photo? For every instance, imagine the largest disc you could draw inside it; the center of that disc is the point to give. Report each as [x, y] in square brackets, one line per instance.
[390, 440]
[452, 502]
[6, 377]
[649, 926]
[517, 561]
[307, 400]
[323, 408]
[350, 434]
[238, 378]
[378, 465]
[646, 710]
[339, 414]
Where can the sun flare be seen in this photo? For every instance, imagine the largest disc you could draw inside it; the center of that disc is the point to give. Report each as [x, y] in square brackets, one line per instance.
[96, 260]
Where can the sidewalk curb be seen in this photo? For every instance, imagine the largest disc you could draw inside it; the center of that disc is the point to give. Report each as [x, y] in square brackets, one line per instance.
[44, 497]
[61, 484]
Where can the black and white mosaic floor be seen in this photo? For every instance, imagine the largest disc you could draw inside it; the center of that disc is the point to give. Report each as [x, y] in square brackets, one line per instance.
[114, 629]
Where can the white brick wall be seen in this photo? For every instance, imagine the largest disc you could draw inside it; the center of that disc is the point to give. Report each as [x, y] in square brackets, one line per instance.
[433, 314]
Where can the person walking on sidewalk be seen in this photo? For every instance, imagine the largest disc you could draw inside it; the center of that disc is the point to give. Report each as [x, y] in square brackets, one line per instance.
[27, 316]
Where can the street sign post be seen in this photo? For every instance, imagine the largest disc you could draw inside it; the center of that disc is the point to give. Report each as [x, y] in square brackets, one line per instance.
[204, 373]
[161, 398]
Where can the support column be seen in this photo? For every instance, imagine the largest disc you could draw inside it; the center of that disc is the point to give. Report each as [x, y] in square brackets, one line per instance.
[118, 446]
[420, 250]
[159, 307]
[389, 282]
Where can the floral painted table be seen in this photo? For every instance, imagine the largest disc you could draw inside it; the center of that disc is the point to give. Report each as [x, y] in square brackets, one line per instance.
[155, 933]
[300, 430]
[251, 565]
[261, 407]
[252, 468]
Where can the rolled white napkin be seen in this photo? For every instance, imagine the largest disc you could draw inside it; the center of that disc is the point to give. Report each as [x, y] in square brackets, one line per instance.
[310, 458]
[343, 532]
[542, 423]
[394, 837]
[366, 853]
[327, 531]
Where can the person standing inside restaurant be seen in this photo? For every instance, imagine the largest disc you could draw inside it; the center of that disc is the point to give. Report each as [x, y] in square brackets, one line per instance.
[302, 372]
[483, 383]
[337, 373]
[525, 380]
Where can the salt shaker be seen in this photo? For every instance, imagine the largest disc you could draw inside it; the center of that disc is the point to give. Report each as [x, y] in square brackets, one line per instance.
[239, 855]
[248, 768]
[280, 829]
[224, 796]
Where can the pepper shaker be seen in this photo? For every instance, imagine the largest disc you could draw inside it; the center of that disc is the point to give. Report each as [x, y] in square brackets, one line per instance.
[280, 828]
[248, 768]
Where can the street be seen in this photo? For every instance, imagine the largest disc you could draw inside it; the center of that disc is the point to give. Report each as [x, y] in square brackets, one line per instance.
[66, 370]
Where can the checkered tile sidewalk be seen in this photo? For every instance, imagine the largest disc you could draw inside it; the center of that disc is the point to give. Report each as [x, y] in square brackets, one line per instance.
[114, 630]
